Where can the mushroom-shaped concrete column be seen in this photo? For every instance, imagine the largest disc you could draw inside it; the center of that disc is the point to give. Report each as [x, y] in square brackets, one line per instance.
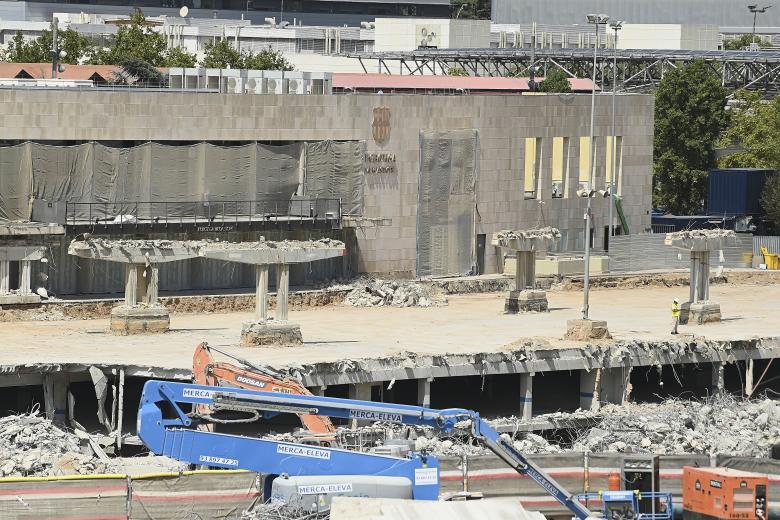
[699, 243]
[263, 254]
[525, 244]
[140, 312]
[14, 251]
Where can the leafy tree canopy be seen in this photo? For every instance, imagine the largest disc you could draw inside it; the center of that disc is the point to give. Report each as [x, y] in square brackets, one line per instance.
[457, 71]
[737, 44]
[689, 116]
[470, 9]
[77, 48]
[555, 81]
[134, 40]
[221, 54]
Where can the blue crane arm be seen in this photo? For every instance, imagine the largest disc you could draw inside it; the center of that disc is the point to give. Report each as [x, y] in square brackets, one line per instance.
[254, 400]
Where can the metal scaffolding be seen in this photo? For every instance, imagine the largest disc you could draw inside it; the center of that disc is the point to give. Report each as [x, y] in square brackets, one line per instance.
[637, 70]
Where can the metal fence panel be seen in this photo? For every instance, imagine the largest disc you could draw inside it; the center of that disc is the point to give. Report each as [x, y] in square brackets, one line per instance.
[646, 252]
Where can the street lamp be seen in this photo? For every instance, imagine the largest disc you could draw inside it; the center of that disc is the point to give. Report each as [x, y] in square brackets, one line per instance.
[616, 26]
[755, 10]
[596, 20]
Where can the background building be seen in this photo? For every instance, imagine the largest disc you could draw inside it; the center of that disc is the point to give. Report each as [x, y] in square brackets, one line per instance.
[423, 181]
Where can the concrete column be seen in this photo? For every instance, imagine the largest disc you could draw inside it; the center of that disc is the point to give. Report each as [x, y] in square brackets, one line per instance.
[525, 271]
[131, 285]
[261, 292]
[614, 384]
[704, 276]
[24, 277]
[526, 396]
[424, 392]
[5, 277]
[694, 274]
[282, 291]
[717, 377]
[152, 284]
[318, 390]
[587, 389]
[360, 391]
[55, 396]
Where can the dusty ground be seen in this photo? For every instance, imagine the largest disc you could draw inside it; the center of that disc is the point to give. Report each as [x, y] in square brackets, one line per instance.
[471, 323]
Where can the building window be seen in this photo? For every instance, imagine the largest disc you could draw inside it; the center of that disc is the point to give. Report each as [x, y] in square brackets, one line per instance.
[617, 142]
[560, 166]
[584, 174]
[532, 167]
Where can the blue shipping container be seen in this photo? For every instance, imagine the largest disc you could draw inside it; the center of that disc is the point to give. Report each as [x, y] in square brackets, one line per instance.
[736, 191]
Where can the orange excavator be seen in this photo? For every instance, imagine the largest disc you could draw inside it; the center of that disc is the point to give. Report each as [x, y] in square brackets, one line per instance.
[206, 371]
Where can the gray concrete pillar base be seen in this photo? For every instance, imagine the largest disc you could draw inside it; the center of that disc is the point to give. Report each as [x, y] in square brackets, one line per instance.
[19, 299]
[139, 320]
[526, 301]
[699, 313]
[583, 330]
[270, 332]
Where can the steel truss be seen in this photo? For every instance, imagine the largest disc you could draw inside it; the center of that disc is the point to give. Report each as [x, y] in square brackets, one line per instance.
[637, 70]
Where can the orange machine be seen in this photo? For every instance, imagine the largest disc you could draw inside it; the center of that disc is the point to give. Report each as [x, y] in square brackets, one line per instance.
[206, 371]
[723, 493]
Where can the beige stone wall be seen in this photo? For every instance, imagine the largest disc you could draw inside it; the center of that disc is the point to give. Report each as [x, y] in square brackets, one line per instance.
[503, 123]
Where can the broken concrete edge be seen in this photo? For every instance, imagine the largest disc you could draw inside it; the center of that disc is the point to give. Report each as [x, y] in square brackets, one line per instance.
[528, 358]
[584, 330]
[271, 333]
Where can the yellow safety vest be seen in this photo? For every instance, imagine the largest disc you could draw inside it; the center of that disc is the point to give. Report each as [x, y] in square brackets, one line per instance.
[675, 310]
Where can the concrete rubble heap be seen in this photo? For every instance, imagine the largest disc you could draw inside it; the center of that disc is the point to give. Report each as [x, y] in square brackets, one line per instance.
[31, 445]
[505, 237]
[393, 293]
[272, 511]
[719, 425]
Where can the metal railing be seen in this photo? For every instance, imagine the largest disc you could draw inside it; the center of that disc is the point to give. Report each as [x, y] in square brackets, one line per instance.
[204, 214]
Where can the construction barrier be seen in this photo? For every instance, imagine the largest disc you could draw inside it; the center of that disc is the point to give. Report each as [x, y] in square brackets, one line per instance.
[224, 495]
[99, 497]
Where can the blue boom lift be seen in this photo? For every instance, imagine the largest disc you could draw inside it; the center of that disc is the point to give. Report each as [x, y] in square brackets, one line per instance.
[166, 429]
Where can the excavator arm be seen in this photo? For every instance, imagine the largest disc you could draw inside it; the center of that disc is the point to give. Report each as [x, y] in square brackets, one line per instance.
[208, 372]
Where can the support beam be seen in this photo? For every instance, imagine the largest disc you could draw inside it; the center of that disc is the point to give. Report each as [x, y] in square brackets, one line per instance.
[588, 381]
[282, 290]
[55, 396]
[261, 292]
[526, 396]
[362, 392]
[24, 277]
[614, 387]
[131, 285]
[152, 281]
[717, 377]
[318, 390]
[424, 392]
[5, 277]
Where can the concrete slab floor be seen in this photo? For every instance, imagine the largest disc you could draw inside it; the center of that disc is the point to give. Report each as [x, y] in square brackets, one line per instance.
[471, 323]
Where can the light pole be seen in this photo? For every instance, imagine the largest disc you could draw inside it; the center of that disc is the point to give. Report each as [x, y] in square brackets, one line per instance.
[755, 10]
[596, 20]
[616, 26]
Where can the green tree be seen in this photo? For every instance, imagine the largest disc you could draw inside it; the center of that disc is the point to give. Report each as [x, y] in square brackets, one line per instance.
[178, 57]
[555, 81]
[77, 48]
[739, 43]
[689, 116]
[470, 9]
[755, 128]
[220, 54]
[770, 200]
[267, 59]
[135, 40]
[136, 70]
[457, 71]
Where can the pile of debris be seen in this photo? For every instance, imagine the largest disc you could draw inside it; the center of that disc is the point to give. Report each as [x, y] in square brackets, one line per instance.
[393, 293]
[31, 445]
[703, 233]
[717, 425]
[276, 511]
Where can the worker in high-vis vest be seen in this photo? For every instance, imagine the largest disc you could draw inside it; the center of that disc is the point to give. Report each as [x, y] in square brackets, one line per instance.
[675, 315]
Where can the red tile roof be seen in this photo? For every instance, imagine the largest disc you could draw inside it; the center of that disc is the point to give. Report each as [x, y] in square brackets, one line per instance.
[43, 71]
[473, 83]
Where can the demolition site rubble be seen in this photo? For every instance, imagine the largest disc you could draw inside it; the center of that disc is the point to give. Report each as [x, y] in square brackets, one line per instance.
[394, 293]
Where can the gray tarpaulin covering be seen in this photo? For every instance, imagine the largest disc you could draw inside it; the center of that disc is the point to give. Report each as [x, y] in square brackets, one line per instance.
[15, 182]
[334, 169]
[177, 179]
[447, 202]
